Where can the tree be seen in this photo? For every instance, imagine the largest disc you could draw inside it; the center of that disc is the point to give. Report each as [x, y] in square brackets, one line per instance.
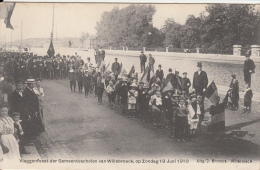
[173, 33]
[126, 26]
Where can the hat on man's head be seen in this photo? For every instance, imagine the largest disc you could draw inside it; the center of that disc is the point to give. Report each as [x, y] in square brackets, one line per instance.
[38, 80]
[199, 64]
[20, 81]
[15, 114]
[142, 51]
[141, 82]
[124, 79]
[184, 73]
[30, 81]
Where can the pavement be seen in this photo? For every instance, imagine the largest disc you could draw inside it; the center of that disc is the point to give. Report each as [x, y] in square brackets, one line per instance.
[79, 128]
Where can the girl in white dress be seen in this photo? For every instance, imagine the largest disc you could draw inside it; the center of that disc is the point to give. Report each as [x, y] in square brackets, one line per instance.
[7, 135]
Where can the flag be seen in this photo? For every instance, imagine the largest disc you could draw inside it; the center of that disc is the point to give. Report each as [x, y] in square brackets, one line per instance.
[212, 93]
[51, 50]
[148, 74]
[122, 70]
[6, 11]
[132, 71]
[102, 67]
[217, 118]
[168, 87]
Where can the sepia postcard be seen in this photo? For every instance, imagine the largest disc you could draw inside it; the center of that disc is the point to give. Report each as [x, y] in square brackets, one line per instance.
[115, 85]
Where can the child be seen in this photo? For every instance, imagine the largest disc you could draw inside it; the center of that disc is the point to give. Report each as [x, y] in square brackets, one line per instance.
[132, 97]
[72, 78]
[248, 99]
[181, 119]
[111, 93]
[185, 84]
[18, 132]
[193, 116]
[7, 135]
[99, 91]
[80, 76]
[156, 102]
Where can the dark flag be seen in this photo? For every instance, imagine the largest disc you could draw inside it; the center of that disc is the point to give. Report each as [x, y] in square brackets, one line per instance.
[217, 118]
[51, 50]
[6, 11]
[212, 93]
[132, 71]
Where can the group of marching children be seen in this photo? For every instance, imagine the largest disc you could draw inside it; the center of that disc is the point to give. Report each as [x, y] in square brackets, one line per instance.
[175, 111]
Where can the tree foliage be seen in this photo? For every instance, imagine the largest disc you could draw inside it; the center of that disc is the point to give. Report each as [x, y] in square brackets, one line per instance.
[220, 26]
[128, 26]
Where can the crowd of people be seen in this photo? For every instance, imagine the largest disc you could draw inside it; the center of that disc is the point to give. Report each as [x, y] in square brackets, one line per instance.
[164, 100]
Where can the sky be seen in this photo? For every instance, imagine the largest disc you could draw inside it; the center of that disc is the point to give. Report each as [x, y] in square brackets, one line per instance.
[71, 19]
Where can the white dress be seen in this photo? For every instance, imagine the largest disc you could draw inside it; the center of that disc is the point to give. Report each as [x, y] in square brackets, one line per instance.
[8, 139]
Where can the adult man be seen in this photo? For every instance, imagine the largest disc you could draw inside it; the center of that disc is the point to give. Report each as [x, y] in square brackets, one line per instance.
[200, 80]
[159, 72]
[17, 104]
[200, 83]
[143, 59]
[32, 106]
[249, 68]
[116, 68]
[151, 63]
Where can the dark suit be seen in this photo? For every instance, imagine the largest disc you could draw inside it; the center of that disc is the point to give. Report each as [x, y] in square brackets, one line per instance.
[248, 65]
[200, 82]
[33, 108]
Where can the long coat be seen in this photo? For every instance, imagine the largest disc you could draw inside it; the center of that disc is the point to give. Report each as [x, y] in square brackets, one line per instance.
[32, 106]
[200, 82]
[115, 68]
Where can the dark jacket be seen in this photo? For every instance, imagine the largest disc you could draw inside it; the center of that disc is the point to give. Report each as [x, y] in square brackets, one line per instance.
[100, 88]
[186, 83]
[200, 81]
[249, 65]
[17, 104]
[159, 74]
[31, 101]
[86, 80]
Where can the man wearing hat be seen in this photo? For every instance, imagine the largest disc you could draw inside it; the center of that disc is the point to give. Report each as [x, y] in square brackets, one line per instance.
[200, 83]
[116, 68]
[32, 106]
[17, 104]
[249, 68]
[143, 60]
[200, 80]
